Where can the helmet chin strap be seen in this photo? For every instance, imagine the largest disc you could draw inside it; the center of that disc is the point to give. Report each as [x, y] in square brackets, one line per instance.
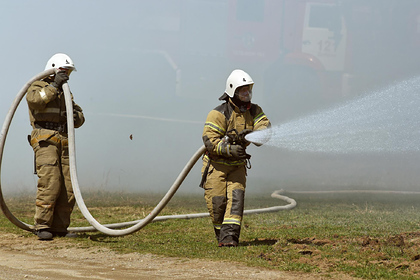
[243, 106]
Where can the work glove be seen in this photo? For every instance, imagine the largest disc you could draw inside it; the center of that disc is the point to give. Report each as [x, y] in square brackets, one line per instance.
[237, 151]
[242, 134]
[60, 78]
[77, 118]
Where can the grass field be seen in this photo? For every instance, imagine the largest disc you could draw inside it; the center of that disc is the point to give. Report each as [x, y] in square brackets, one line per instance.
[362, 235]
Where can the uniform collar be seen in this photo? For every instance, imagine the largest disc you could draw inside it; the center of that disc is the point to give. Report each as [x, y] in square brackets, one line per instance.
[237, 109]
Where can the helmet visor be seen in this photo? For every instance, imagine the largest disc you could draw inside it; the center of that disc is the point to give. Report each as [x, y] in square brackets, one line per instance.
[66, 69]
[244, 93]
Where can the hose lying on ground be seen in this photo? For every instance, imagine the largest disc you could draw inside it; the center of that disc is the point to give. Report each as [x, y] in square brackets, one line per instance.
[110, 229]
[349, 191]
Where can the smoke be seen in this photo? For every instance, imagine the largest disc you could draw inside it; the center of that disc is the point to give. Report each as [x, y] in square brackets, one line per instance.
[148, 73]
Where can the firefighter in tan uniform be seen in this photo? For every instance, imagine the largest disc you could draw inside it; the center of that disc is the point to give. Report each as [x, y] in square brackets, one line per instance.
[47, 112]
[225, 160]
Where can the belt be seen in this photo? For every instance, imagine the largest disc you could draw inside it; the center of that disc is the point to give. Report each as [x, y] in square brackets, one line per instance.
[60, 127]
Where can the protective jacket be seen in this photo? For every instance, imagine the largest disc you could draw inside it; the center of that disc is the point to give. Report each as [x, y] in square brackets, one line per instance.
[223, 119]
[47, 109]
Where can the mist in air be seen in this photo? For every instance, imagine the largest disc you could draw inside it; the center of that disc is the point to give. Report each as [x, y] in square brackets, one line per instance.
[383, 122]
[339, 81]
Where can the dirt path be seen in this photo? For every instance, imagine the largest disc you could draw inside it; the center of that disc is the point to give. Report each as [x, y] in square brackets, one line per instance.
[27, 258]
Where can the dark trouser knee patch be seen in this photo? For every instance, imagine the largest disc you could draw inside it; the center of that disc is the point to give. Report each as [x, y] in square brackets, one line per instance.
[237, 202]
[219, 208]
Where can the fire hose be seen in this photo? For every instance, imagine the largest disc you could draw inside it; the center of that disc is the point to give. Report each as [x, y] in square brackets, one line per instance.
[110, 229]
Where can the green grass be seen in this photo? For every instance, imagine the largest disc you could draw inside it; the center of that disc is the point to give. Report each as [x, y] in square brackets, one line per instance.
[366, 236]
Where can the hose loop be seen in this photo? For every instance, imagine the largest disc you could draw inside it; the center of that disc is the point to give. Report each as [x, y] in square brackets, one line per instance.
[109, 229]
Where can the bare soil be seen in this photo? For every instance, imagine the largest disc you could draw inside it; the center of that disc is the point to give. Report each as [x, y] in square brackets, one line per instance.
[28, 258]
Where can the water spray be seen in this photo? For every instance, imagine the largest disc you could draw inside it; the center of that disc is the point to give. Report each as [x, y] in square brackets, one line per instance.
[259, 137]
[110, 229]
[383, 121]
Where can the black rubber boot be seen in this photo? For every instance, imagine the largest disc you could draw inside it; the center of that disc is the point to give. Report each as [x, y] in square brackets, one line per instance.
[44, 234]
[65, 234]
[228, 241]
[71, 235]
[229, 235]
[217, 232]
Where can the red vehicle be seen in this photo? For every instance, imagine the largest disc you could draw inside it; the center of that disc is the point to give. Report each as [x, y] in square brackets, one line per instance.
[302, 53]
[295, 49]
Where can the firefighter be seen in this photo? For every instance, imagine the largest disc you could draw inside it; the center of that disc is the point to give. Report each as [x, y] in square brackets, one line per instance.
[225, 160]
[47, 113]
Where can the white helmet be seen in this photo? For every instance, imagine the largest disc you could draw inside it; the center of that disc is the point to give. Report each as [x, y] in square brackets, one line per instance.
[60, 60]
[237, 79]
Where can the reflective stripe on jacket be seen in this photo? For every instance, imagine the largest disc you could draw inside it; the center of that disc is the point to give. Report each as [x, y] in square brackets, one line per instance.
[224, 118]
[47, 104]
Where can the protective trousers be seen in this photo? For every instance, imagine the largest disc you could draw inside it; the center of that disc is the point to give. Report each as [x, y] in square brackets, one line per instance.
[224, 194]
[54, 199]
